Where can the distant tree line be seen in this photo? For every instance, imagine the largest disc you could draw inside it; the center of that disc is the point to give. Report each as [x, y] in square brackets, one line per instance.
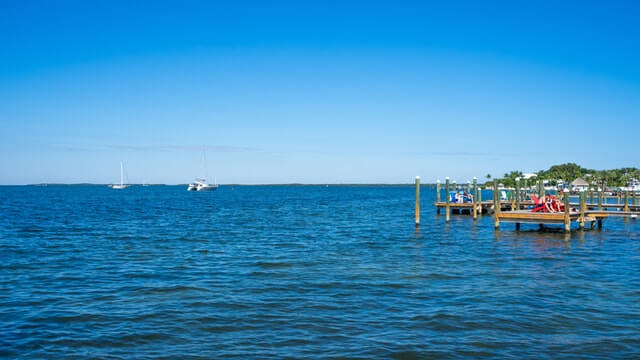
[570, 171]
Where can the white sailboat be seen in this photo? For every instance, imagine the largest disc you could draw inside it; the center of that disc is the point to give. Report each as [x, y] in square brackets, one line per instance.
[201, 183]
[122, 185]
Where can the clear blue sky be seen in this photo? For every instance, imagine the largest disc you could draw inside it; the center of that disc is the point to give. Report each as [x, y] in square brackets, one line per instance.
[331, 93]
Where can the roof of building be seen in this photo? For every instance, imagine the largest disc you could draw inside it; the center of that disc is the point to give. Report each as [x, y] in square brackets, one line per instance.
[579, 182]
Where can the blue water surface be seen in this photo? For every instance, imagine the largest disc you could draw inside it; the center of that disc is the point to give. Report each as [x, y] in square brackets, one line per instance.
[303, 272]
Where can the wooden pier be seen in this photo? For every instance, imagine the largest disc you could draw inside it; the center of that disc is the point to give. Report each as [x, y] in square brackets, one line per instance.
[518, 210]
[486, 207]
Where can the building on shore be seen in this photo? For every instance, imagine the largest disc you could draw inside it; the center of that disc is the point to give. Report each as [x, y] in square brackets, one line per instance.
[579, 184]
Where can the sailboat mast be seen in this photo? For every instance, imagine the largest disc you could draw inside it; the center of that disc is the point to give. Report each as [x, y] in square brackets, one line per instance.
[121, 173]
[204, 160]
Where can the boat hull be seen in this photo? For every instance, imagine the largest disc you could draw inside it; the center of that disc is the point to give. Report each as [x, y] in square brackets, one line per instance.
[202, 187]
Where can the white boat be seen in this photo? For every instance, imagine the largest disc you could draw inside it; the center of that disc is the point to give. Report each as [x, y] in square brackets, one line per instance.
[201, 183]
[122, 185]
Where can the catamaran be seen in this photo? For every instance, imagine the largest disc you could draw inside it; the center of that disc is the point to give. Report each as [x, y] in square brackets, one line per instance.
[122, 185]
[201, 183]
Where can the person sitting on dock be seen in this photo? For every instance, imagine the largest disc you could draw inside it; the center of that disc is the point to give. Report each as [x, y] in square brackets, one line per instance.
[547, 203]
[461, 198]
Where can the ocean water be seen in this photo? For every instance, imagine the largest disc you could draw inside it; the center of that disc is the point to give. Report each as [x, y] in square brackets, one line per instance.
[303, 272]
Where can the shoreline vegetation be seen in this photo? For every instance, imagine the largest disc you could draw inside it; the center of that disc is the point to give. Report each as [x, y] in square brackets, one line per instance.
[567, 173]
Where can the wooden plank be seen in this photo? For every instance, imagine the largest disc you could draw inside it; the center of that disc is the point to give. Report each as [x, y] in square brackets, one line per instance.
[604, 213]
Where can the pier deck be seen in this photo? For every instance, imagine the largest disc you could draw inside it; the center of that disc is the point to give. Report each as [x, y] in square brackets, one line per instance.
[564, 218]
[524, 216]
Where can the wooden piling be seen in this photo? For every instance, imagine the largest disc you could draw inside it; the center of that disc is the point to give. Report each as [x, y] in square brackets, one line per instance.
[496, 205]
[438, 190]
[583, 207]
[447, 197]
[634, 202]
[475, 198]
[626, 201]
[511, 196]
[540, 189]
[600, 194]
[468, 187]
[567, 210]
[591, 196]
[518, 193]
[417, 201]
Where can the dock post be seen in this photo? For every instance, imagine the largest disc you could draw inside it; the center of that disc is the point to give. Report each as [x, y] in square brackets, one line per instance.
[600, 199]
[517, 193]
[626, 201]
[454, 187]
[438, 196]
[567, 210]
[591, 196]
[540, 189]
[417, 201]
[633, 200]
[480, 199]
[475, 198]
[512, 197]
[496, 205]
[468, 187]
[447, 196]
[582, 208]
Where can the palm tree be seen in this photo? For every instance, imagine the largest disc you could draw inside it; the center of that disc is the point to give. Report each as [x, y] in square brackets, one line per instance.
[625, 179]
[488, 176]
[600, 179]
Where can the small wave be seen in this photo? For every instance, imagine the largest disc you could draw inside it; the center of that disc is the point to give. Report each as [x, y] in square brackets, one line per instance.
[273, 265]
[171, 289]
